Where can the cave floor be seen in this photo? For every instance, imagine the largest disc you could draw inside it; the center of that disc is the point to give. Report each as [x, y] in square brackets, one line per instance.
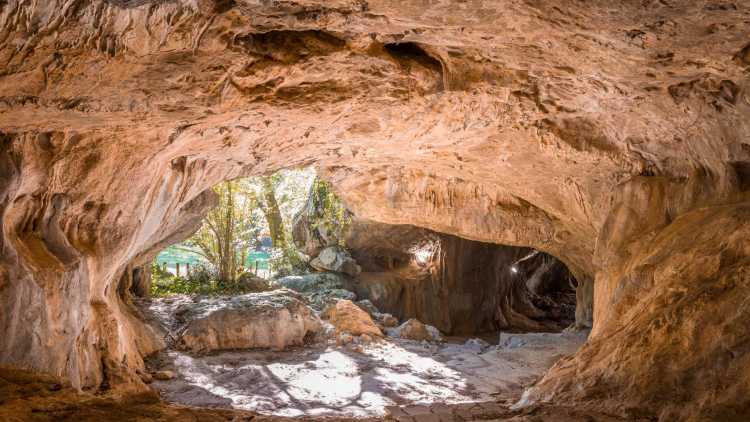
[365, 380]
[32, 397]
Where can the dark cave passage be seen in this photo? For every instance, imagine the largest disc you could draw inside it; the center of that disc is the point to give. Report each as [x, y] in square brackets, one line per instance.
[460, 286]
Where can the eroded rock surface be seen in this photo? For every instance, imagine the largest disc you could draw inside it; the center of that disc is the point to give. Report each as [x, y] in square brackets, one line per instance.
[276, 319]
[612, 135]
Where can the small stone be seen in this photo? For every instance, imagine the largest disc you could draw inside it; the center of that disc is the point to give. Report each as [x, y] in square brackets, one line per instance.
[389, 320]
[413, 329]
[344, 339]
[163, 375]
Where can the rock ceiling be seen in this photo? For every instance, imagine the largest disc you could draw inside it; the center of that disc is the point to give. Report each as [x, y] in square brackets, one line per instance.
[613, 135]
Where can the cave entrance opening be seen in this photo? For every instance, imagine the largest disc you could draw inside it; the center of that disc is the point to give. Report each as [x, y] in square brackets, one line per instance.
[284, 302]
[242, 242]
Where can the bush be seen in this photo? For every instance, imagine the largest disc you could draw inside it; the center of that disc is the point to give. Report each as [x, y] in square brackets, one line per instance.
[203, 281]
[286, 260]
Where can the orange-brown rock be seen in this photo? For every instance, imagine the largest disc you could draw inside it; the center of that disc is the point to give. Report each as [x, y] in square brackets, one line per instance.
[612, 135]
[349, 318]
[413, 329]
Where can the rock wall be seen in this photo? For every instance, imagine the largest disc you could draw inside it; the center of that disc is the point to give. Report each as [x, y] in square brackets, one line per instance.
[594, 131]
[679, 349]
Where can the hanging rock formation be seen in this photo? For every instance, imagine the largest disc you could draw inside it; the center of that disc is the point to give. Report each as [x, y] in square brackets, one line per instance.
[612, 135]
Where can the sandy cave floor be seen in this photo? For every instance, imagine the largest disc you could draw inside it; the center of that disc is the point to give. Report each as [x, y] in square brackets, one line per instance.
[361, 380]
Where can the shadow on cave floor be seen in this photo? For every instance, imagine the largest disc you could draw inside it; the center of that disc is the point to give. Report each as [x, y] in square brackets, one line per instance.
[31, 397]
[362, 380]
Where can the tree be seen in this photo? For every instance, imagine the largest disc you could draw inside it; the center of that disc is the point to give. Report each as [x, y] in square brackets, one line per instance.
[271, 210]
[281, 196]
[228, 230]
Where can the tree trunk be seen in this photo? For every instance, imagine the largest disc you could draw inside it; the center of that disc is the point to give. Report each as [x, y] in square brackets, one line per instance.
[273, 213]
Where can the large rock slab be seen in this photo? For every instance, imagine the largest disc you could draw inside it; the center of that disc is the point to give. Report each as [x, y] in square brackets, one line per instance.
[276, 320]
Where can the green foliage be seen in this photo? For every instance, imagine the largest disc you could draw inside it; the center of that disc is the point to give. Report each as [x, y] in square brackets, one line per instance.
[229, 230]
[285, 260]
[331, 216]
[203, 281]
[163, 283]
[282, 194]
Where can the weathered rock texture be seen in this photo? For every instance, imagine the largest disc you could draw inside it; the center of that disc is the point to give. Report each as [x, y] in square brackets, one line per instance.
[613, 135]
[346, 317]
[275, 320]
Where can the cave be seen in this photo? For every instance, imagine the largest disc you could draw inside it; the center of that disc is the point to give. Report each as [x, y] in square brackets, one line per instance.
[249, 322]
[605, 140]
[460, 286]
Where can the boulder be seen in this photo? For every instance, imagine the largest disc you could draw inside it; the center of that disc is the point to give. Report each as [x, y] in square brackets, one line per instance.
[388, 320]
[320, 290]
[336, 258]
[368, 307]
[347, 317]
[311, 238]
[275, 319]
[307, 283]
[321, 300]
[250, 282]
[413, 329]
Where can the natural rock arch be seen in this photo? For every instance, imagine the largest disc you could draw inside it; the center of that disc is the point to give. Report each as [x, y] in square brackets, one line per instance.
[611, 136]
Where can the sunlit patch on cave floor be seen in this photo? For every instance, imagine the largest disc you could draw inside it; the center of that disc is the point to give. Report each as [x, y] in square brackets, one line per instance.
[360, 381]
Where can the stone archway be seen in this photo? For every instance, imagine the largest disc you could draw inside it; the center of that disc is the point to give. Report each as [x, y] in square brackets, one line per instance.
[610, 136]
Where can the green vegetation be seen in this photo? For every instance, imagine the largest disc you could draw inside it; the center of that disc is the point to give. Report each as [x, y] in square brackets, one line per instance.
[331, 214]
[229, 230]
[223, 251]
[204, 282]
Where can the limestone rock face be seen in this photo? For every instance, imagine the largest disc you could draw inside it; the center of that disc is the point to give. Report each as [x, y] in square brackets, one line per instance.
[275, 320]
[349, 318]
[604, 133]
